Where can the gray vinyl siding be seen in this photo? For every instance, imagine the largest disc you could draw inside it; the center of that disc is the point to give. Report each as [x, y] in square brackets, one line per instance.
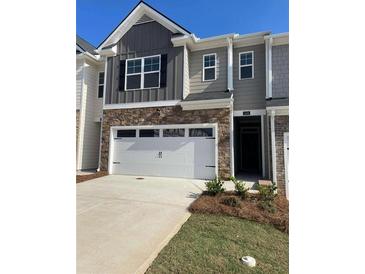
[145, 40]
[280, 71]
[196, 71]
[250, 93]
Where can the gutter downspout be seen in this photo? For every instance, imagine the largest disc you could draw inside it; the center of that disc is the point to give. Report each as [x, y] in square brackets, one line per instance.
[273, 146]
[268, 50]
[230, 64]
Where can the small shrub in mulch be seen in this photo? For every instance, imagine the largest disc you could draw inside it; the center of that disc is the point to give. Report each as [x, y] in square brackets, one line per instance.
[83, 178]
[214, 186]
[250, 208]
[232, 201]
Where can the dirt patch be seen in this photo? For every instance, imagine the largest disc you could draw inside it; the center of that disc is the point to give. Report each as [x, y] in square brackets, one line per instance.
[83, 178]
[247, 208]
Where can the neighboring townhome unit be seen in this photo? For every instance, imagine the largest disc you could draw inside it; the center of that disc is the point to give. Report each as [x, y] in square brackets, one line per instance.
[89, 104]
[180, 106]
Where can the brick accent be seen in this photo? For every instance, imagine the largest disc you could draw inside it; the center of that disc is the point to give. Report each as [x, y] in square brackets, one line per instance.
[170, 115]
[281, 126]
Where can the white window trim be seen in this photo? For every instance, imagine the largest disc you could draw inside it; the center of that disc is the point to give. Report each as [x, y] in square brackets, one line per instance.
[142, 73]
[102, 84]
[215, 67]
[240, 66]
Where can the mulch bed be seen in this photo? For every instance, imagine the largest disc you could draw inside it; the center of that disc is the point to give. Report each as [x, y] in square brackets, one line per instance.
[247, 208]
[83, 178]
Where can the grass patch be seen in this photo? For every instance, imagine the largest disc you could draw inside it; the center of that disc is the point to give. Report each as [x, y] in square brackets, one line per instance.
[215, 243]
[83, 178]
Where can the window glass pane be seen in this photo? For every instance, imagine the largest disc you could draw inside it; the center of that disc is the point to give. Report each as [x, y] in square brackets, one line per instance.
[201, 132]
[246, 72]
[149, 133]
[151, 64]
[209, 74]
[134, 82]
[246, 59]
[101, 78]
[151, 80]
[209, 60]
[100, 91]
[174, 132]
[126, 133]
[134, 66]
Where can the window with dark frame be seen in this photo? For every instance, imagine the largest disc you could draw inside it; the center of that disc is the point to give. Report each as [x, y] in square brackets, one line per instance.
[174, 132]
[149, 133]
[209, 67]
[101, 85]
[124, 133]
[246, 64]
[200, 132]
[142, 73]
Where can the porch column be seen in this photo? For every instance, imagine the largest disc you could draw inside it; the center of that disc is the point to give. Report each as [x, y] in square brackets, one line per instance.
[273, 145]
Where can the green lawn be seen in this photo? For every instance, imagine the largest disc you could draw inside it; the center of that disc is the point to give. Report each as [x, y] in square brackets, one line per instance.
[214, 244]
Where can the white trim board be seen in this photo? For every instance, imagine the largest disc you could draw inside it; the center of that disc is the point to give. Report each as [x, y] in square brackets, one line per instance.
[166, 103]
[253, 112]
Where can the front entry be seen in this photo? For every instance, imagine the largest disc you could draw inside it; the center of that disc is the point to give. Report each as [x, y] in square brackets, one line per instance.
[248, 152]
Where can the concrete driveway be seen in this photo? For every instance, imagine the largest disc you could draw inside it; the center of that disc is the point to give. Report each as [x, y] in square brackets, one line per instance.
[123, 222]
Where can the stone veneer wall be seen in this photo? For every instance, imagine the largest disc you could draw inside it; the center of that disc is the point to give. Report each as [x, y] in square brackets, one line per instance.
[281, 126]
[170, 115]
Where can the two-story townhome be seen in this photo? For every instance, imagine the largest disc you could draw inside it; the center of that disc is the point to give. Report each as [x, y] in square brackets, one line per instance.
[180, 106]
[89, 104]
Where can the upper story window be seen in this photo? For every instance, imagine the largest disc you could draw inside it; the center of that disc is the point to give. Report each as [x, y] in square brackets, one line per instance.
[143, 72]
[209, 67]
[246, 65]
[101, 85]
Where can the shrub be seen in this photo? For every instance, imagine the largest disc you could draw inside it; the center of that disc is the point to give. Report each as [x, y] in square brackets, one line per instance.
[240, 187]
[267, 206]
[267, 193]
[230, 201]
[214, 186]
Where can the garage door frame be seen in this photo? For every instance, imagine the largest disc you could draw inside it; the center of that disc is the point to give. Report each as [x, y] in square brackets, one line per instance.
[113, 133]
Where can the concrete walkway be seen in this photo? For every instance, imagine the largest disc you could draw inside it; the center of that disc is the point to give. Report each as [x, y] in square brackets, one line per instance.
[123, 222]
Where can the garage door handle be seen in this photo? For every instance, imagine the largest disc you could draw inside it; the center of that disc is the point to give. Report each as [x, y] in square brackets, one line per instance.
[209, 166]
[116, 163]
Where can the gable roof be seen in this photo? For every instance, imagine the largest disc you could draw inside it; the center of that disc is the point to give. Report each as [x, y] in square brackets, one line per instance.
[82, 45]
[141, 9]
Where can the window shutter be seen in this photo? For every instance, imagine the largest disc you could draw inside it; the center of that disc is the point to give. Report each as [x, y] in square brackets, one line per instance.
[121, 75]
[163, 74]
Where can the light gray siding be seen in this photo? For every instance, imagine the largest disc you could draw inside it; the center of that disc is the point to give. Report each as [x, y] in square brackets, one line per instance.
[280, 71]
[250, 93]
[144, 40]
[79, 79]
[196, 71]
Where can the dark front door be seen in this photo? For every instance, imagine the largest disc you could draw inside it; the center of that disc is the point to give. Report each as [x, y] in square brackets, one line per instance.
[250, 150]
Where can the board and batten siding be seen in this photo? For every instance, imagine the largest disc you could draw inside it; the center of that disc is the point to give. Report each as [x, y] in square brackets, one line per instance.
[145, 40]
[79, 79]
[196, 71]
[280, 71]
[250, 93]
[89, 128]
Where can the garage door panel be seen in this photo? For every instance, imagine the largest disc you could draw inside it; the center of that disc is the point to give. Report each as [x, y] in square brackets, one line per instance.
[185, 157]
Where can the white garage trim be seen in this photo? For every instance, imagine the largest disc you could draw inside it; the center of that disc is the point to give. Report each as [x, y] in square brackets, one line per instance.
[113, 130]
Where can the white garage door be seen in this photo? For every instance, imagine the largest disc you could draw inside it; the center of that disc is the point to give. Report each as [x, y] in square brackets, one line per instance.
[166, 151]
